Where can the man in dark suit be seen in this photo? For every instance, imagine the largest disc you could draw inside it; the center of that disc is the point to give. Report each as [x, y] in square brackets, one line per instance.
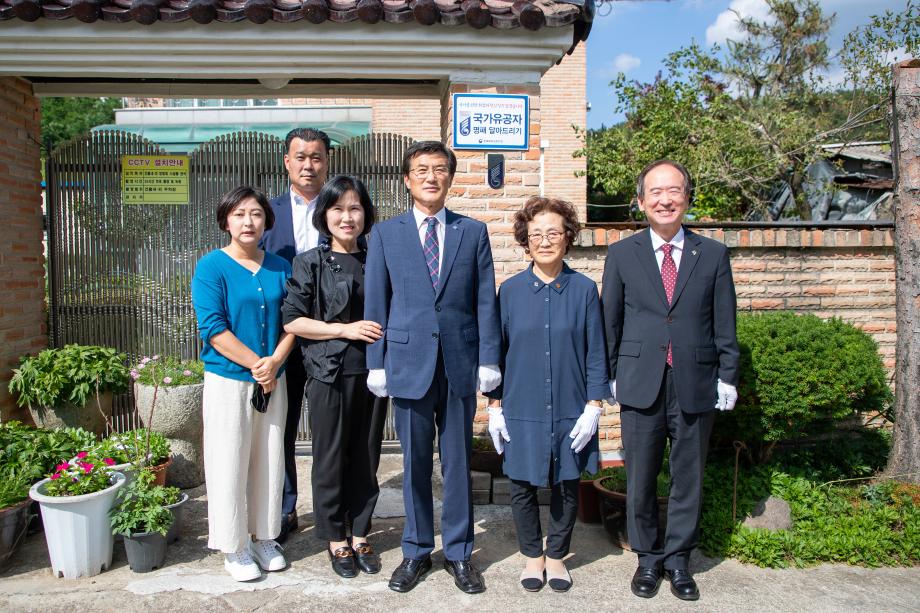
[431, 285]
[669, 310]
[307, 163]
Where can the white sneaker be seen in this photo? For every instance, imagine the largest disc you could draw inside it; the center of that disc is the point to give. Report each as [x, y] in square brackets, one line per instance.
[268, 555]
[241, 566]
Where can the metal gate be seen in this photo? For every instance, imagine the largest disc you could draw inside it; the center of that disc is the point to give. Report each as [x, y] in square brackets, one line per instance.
[119, 274]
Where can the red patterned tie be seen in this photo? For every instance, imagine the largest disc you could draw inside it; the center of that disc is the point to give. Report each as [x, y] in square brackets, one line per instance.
[669, 279]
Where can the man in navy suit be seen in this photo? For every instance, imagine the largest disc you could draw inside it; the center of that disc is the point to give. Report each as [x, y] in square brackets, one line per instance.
[669, 311]
[431, 285]
[307, 163]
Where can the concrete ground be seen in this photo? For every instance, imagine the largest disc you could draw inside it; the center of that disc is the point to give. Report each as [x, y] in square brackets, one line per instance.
[194, 580]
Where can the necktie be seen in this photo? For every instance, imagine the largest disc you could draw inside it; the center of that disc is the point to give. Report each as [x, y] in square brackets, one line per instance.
[432, 250]
[669, 279]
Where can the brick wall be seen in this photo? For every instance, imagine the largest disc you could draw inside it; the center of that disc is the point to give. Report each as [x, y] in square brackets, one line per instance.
[848, 274]
[22, 275]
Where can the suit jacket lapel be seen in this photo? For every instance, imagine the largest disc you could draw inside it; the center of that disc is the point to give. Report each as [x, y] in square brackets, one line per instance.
[415, 254]
[646, 256]
[688, 260]
[453, 233]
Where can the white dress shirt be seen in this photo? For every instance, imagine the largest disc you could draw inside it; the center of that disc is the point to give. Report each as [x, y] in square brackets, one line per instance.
[422, 226]
[306, 236]
[677, 247]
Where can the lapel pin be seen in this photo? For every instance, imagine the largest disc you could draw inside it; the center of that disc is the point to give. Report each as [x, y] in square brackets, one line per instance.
[693, 252]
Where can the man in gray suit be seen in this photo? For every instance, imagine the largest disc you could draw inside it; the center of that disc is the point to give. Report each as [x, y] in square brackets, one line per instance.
[669, 310]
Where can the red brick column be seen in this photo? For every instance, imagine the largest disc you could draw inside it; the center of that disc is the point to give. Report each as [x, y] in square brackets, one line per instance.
[22, 273]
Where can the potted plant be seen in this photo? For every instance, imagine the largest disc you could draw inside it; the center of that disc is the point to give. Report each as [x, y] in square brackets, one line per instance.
[135, 448]
[167, 393]
[588, 510]
[71, 386]
[75, 501]
[484, 458]
[611, 498]
[141, 516]
[14, 509]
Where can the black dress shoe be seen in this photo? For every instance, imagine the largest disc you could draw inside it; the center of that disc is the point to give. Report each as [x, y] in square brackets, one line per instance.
[288, 525]
[408, 573]
[682, 584]
[466, 576]
[343, 562]
[645, 582]
[367, 559]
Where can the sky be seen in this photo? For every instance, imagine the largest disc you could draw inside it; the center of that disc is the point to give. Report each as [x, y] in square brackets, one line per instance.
[634, 36]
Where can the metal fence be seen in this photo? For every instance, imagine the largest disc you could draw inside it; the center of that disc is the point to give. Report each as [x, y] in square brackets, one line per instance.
[119, 274]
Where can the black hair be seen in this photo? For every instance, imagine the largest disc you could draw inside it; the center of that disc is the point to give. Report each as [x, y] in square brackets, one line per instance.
[235, 197]
[428, 146]
[334, 189]
[688, 180]
[307, 135]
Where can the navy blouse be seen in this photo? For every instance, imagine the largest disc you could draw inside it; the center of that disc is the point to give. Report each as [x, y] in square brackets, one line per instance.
[553, 363]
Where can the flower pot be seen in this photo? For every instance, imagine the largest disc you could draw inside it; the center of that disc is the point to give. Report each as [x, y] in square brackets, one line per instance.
[178, 511]
[146, 551]
[177, 416]
[77, 529]
[588, 511]
[487, 461]
[160, 471]
[612, 508]
[14, 522]
[67, 415]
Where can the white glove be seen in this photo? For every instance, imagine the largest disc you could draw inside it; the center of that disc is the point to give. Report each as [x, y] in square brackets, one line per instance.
[728, 396]
[585, 427]
[613, 391]
[497, 428]
[489, 378]
[377, 382]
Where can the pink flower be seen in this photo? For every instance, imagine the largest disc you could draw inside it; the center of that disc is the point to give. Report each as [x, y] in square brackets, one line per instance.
[55, 476]
[142, 365]
[156, 357]
[187, 373]
[62, 466]
[87, 467]
[135, 374]
[109, 461]
[145, 360]
[167, 380]
[82, 455]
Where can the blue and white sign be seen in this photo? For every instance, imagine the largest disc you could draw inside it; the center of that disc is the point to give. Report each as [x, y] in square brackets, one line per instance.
[491, 121]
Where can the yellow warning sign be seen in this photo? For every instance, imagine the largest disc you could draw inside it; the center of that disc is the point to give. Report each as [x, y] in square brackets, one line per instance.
[154, 179]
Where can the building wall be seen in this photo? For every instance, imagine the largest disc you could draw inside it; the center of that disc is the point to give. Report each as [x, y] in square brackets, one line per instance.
[22, 275]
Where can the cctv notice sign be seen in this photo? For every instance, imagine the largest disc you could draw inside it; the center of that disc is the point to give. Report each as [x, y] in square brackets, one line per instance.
[491, 121]
[154, 179]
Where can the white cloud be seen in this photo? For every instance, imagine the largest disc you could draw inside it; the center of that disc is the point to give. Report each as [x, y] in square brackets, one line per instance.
[725, 26]
[625, 62]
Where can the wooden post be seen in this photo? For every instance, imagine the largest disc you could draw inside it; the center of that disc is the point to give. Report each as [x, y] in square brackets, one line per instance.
[905, 145]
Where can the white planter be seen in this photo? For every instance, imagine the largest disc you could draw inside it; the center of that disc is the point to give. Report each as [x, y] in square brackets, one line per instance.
[77, 529]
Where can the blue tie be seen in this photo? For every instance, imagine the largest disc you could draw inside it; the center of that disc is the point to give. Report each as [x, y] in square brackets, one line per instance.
[432, 250]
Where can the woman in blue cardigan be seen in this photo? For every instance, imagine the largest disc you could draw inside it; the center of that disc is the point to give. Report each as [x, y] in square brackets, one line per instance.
[544, 416]
[237, 293]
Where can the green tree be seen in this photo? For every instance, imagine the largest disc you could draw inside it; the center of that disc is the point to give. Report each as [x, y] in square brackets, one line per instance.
[65, 118]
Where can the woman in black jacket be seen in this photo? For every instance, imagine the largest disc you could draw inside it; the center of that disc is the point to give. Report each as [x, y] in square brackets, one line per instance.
[324, 307]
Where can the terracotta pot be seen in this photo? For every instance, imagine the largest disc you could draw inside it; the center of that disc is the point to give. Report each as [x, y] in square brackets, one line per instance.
[612, 508]
[159, 472]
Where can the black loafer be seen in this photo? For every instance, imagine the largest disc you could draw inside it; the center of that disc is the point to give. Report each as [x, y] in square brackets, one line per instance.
[343, 562]
[408, 574]
[367, 559]
[288, 525]
[466, 577]
[682, 584]
[645, 582]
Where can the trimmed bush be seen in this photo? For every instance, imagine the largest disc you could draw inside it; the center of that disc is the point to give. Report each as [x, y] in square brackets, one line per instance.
[799, 375]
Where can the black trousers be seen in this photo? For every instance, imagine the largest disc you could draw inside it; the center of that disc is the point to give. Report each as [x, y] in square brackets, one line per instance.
[347, 423]
[563, 508]
[645, 432]
[296, 379]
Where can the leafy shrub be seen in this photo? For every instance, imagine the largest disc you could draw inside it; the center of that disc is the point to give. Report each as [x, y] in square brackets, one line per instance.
[168, 371]
[131, 446]
[14, 486]
[68, 375]
[87, 473]
[800, 374]
[141, 507]
[35, 452]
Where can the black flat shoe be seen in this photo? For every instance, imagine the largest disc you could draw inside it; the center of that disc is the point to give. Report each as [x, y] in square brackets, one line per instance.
[343, 562]
[533, 581]
[408, 574]
[559, 583]
[288, 525]
[645, 582]
[367, 559]
[466, 577]
[682, 584]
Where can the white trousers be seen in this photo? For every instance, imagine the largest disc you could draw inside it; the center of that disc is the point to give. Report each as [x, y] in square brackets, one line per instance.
[243, 462]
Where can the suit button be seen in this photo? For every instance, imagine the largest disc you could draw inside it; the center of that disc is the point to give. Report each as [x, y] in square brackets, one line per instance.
[438, 309]
[434, 335]
[670, 319]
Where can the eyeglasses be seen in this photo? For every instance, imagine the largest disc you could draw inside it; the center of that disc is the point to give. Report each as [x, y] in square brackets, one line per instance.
[553, 236]
[422, 172]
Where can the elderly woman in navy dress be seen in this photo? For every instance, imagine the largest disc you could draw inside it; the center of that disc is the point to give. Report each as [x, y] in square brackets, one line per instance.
[544, 417]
